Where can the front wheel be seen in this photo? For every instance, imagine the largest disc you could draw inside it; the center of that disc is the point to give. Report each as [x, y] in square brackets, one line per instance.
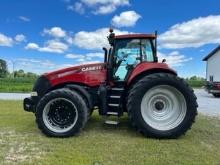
[61, 113]
[162, 105]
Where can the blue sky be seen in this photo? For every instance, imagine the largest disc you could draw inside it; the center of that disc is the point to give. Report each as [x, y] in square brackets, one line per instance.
[43, 35]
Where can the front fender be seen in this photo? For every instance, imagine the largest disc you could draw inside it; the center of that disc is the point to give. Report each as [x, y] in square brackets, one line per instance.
[82, 91]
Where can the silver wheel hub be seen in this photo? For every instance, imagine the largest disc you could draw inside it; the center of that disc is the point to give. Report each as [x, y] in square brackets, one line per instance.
[163, 107]
[60, 115]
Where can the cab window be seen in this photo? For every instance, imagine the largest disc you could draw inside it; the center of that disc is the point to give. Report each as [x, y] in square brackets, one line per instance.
[128, 54]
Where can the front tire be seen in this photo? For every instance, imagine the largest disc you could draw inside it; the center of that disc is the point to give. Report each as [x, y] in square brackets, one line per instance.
[162, 105]
[61, 113]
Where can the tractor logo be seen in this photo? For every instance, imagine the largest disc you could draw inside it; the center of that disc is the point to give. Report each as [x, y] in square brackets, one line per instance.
[91, 68]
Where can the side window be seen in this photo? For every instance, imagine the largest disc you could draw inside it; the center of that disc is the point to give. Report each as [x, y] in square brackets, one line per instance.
[147, 51]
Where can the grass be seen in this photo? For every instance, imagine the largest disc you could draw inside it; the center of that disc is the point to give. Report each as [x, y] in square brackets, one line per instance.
[22, 143]
[196, 83]
[16, 85]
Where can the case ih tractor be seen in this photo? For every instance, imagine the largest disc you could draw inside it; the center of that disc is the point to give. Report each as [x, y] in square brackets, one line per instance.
[159, 104]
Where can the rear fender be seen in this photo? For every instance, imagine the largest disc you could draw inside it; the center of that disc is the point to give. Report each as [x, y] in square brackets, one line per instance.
[147, 68]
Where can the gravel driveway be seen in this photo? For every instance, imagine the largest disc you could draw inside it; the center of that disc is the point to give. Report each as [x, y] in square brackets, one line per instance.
[208, 104]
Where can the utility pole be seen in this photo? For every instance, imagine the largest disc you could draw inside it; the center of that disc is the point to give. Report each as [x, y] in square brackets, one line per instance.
[13, 68]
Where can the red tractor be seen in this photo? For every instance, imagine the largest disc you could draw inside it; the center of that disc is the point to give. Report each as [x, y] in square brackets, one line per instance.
[159, 103]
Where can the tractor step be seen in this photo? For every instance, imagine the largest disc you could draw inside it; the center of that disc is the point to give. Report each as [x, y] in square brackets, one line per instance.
[117, 89]
[111, 100]
[113, 105]
[115, 97]
[111, 122]
[112, 113]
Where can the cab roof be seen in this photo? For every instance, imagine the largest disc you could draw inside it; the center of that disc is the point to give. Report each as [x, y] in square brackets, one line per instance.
[127, 36]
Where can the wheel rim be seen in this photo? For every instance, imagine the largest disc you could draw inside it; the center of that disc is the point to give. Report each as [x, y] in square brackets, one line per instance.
[163, 107]
[60, 115]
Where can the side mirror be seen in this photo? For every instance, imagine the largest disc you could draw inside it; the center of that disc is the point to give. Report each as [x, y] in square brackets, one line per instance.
[164, 60]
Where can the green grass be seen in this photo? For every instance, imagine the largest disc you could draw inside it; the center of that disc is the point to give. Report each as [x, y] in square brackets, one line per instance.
[22, 143]
[16, 85]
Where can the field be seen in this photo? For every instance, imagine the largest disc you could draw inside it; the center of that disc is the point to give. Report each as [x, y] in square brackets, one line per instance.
[22, 143]
[16, 85]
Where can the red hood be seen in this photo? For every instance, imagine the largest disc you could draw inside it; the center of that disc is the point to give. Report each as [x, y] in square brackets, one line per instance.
[73, 68]
[89, 74]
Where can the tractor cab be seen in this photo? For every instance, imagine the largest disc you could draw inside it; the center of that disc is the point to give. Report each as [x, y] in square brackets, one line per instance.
[127, 51]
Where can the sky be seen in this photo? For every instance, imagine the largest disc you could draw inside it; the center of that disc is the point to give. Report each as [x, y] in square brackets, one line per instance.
[43, 35]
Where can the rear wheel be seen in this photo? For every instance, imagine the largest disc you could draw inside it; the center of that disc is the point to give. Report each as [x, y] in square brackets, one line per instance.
[61, 113]
[162, 105]
[216, 94]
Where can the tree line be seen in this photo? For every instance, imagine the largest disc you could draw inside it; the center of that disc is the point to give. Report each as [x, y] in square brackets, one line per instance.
[4, 72]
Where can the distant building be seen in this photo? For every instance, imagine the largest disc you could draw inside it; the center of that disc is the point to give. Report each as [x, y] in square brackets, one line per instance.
[213, 72]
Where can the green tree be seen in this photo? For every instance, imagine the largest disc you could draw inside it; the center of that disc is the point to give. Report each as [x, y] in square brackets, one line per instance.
[3, 68]
[19, 73]
[31, 75]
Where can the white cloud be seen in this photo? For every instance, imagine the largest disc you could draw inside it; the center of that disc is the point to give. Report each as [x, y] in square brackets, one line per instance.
[77, 7]
[98, 55]
[86, 57]
[56, 32]
[74, 56]
[126, 19]
[38, 66]
[32, 46]
[174, 59]
[194, 33]
[23, 18]
[30, 62]
[94, 39]
[5, 40]
[51, 46]
[9, 41]
[20, 38]
[98, 6]
[80, 60]
[89, 62]
[104, 9]
[106, 2]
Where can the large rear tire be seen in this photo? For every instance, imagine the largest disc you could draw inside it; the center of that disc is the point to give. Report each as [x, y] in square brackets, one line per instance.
[162, 105]
[61, 113]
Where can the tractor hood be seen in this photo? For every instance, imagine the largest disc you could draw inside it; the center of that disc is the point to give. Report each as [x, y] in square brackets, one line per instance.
[75, 69]
[88, 74]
